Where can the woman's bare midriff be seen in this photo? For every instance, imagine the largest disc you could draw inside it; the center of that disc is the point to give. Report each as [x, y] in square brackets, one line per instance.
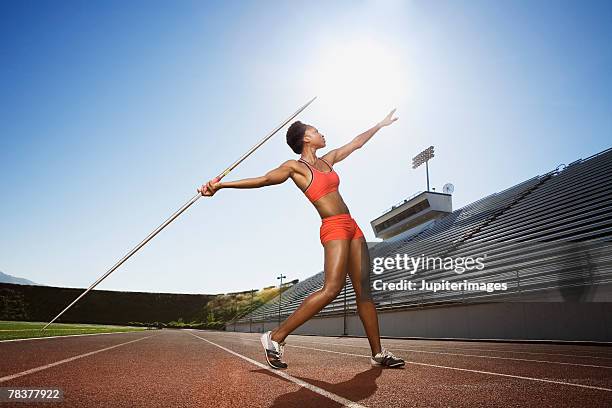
[331, 204]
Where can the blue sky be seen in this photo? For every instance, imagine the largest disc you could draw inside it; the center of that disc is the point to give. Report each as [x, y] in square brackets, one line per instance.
[111, 115]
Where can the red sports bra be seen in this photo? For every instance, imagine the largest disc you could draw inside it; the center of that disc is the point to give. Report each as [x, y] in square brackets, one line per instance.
[322, 183]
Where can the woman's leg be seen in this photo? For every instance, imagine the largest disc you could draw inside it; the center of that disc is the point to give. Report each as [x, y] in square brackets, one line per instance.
[335, 269]
[359, 270]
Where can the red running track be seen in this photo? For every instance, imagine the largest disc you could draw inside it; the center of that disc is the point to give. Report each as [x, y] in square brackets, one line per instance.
[192, 368]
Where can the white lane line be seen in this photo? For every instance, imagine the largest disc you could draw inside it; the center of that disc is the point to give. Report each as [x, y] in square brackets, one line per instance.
[509, 350]
[529, 352]
[470, 349]
[334, 397]
[20, 330]
[462, 354]
[509, 358]
[67, 360]
[518, 352]
[69, 335]
[466, 369]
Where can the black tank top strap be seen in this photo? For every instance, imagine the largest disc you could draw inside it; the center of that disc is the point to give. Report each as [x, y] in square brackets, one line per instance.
[310, 165]
[312, 173]
[304, 161]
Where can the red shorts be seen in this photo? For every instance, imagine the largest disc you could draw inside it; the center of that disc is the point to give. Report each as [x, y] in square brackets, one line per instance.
[340, 226]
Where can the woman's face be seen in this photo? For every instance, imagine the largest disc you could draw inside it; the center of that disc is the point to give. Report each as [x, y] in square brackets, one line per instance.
[313, 137]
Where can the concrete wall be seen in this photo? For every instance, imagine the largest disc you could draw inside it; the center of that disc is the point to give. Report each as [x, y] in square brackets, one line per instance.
[571, 321]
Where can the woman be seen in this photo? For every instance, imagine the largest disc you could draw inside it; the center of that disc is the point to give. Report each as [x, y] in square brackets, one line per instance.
[344, 245]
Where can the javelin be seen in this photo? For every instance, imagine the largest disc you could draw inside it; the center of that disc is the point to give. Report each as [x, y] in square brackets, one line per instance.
[180, 210]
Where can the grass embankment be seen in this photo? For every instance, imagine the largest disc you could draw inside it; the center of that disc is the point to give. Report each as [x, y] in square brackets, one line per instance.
[224, 308]
[10, 330]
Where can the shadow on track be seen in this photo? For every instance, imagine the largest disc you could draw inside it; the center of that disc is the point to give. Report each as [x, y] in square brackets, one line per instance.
[356, 389]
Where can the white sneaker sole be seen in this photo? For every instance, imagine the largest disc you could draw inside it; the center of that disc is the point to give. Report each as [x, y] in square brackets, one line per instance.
[376, 363]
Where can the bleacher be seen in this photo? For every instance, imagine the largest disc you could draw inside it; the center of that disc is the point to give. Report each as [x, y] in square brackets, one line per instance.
[547, 238]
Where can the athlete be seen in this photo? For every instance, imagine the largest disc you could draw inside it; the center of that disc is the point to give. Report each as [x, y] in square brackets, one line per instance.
[345, 248]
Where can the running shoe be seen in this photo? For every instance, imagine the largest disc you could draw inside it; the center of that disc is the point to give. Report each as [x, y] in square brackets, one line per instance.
[273, 350]
[386, 359]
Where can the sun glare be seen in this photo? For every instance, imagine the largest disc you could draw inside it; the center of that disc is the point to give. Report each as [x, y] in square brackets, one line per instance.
[359, 75]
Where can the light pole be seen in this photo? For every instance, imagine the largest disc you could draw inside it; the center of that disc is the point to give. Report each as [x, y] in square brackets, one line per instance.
[251, 311]
[235, 310]
[424, 157]
[344, 333]
[280, 295]
[263, 322]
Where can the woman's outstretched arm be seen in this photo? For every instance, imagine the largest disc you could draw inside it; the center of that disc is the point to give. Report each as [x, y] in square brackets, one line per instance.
[341, 153]
[276, 176]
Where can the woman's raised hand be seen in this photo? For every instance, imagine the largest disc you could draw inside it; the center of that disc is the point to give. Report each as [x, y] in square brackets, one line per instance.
[388, 119]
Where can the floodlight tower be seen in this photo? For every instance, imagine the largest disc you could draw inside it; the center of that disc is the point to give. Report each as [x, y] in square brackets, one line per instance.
[424, 157]
[280, 295]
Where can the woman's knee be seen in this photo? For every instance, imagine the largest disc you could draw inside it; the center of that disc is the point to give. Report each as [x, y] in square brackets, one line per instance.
[331, 291]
